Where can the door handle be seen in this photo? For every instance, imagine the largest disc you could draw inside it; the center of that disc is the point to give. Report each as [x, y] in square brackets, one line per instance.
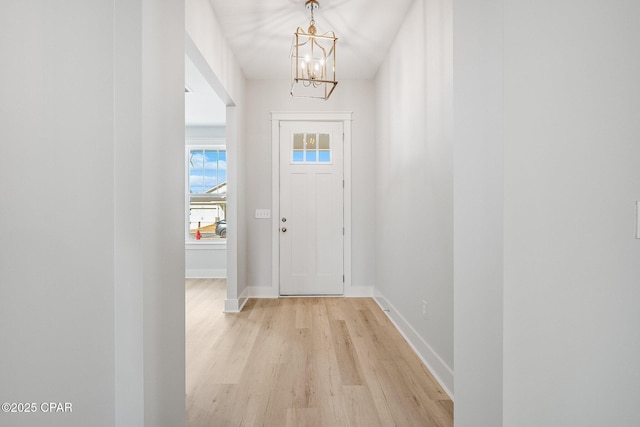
[284, 229]
[284, 219]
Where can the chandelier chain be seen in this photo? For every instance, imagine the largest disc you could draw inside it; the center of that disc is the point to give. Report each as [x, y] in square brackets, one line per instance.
[312, 22]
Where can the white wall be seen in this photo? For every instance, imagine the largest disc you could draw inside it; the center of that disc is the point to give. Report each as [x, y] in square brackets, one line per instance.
[58, 271]
[413, 184]
[207, 47]
[92, 305]
[273, 95]
[572, 265]
[204, 29]
[478, 212]
[204, 260]
[162, 187]
[546, 108]
[204, 132]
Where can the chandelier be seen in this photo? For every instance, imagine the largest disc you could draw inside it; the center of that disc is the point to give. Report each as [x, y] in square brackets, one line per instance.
[313, 60]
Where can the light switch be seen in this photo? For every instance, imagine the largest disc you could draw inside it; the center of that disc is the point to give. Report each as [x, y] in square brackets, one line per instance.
[263, 213]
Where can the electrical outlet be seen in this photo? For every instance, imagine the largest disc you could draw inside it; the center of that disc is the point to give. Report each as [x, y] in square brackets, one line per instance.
[424, 309]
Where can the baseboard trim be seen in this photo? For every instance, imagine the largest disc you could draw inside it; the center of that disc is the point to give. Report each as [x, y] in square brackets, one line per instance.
[262, 292]
[270, 292]
[440, 370]
[236, 305]
[206, 273]
[358, 292]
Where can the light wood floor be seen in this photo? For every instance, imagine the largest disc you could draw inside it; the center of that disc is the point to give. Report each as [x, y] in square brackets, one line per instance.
[295, 362]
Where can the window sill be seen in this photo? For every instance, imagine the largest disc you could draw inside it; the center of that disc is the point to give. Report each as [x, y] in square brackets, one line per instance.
[191, 245]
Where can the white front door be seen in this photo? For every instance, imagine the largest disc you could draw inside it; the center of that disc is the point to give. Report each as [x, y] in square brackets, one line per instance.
[311, 208]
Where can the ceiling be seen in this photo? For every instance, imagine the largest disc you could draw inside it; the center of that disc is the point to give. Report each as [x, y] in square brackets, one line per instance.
[260, 33]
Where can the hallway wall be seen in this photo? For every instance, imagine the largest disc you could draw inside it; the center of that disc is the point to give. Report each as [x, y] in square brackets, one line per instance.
[414, 172]
[91, 246]
[546, 170]
[478, 153]
[572, 264]
[51, 274]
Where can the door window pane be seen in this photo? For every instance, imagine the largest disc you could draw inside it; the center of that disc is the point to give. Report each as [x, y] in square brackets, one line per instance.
[298, 156]
[324, 143]
[311, 157]
[311, 148]
[324, 156]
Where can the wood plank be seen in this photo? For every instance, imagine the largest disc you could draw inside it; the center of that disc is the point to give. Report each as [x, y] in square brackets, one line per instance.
[303, 417]
[360, 406]
[345, 353]
[326, 362]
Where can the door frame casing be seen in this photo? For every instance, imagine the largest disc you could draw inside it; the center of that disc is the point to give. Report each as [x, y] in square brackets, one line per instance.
[276, 119]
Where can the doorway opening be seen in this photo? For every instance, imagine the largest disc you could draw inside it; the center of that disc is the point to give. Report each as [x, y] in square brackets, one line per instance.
[205, 178]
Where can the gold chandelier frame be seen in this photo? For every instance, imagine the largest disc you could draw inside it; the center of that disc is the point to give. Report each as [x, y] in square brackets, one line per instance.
[313, 60]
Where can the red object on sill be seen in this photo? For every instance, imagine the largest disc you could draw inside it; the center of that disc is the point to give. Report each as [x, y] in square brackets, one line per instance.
[198, 235]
